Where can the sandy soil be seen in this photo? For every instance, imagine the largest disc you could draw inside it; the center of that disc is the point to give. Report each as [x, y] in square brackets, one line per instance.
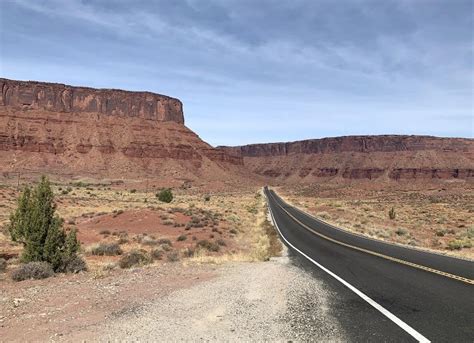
[42, 310]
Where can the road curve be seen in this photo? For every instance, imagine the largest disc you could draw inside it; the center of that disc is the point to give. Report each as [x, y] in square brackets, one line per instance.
[429, 296]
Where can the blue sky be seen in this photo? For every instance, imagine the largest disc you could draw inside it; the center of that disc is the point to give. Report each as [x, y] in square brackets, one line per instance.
[252, 71]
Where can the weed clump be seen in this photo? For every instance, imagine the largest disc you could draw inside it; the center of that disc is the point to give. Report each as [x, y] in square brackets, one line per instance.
[181, 238]
[391, 213]
[221, 242]
[165, 241]
[106, 249]
[173, 256]
[157, 254]
[75, 265]
[33, 270]
[134, 258]
[207, 245]
[401, 232]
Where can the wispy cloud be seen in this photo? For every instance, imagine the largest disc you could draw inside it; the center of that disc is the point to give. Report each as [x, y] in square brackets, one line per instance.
[320, 67]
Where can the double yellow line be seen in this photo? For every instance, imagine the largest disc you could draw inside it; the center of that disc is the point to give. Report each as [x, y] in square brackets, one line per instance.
[370, 252]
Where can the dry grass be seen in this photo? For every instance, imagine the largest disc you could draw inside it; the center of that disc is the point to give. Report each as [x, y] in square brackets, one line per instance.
[234, 221]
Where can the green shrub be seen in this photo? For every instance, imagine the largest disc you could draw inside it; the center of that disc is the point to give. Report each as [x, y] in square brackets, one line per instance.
[33, 270]
[104, 232]
[182, 238]
[440, 233]
[35, 225]
[134, 258]
[233, 231]
[168, 222]
[221, 242]
[133, 191]
[106, 249]
[207, 198]
[391, 213]
[165, 195]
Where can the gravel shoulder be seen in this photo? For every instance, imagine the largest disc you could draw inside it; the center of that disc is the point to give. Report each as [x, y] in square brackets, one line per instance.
[271, 300]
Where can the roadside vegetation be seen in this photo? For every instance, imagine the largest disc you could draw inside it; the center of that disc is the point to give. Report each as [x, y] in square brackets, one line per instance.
[46, 246]
[122, 227]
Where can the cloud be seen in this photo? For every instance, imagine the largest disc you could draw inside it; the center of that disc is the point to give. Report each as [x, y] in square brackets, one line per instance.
[315, 63]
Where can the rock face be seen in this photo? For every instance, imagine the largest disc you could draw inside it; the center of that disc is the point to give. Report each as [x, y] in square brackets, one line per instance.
[56, 97]
[77, 131]
[388, 157]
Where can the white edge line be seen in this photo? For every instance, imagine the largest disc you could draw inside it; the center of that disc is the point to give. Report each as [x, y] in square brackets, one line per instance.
[407, 328]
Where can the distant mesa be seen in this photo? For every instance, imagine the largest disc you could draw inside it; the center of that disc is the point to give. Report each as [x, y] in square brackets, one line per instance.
[377, 158]
[102, 133]
[57, 97]
[107, 133]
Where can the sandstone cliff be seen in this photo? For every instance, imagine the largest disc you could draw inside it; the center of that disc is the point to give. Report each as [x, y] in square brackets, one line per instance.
[388, 157]
[56, 97]
[78, 131]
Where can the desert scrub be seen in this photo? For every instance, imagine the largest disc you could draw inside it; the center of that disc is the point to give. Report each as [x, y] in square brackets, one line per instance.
[106, 249]
[173, 256]
[391, 213]
[221, 242]
[157, 254]
[188, 252]
[166, 247]
[33, 270]
[165, 195]
[75, 265]
[182, 238]
[134, 258]
[149, 241]
[274, 245]
[3, 265]
[401, 232]
[455, 244]
[207, 245]
[165, 241]
[324, 215]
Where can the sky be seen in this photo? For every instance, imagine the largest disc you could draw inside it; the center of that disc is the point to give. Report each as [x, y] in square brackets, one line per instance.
[252, 71]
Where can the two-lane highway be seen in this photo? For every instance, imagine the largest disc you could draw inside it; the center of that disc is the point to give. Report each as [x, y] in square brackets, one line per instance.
[429, 297]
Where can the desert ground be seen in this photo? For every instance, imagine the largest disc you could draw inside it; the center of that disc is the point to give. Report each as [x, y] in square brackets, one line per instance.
[212, 260]
[182, 243]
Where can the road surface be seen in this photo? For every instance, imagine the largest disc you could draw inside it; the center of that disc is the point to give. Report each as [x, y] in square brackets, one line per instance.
[393, 293]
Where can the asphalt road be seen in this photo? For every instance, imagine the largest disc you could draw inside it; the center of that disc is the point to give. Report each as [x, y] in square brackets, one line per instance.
[395, 293]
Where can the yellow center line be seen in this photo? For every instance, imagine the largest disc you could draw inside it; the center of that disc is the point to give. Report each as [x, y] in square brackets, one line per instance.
[411, 264]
